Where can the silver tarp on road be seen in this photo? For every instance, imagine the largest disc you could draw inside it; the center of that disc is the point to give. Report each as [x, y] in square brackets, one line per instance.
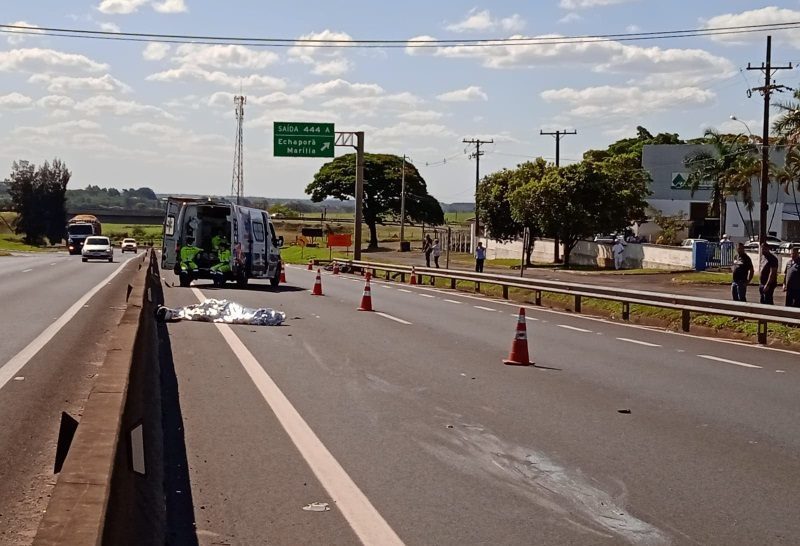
[228, 312]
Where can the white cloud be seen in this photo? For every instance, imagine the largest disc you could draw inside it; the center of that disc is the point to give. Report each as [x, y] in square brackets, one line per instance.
[404, 130]
[121, 7]
[607, 101]
[55, 102]
[570, 17]
[188, 73]
[633, 28]
[126, 7]
[342, 88]
[421, 115]
[46, 60]
[223, 56]
[483, 21]
[763, 16]
[65, 84]
[106, 104]
[372, 105]
[735, 127]
[177, 138]
[606, 57]
[224, 99]
[155, 51]
[15, 101]
[110, 27]
[58, 128]
[15, 36]
[585, 4]
[171, 6]
[325, 61]
[468, 94]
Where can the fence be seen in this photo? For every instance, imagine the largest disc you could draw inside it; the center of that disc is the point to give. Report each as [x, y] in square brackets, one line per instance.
[719, 254]
[762, 314]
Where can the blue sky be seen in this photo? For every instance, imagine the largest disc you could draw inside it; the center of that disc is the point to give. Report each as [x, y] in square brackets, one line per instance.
[125, 114]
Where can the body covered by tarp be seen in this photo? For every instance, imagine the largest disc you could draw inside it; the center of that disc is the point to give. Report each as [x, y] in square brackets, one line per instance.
[224, 311]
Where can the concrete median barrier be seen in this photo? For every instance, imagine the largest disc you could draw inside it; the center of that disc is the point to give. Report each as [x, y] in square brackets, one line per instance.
[110, 489]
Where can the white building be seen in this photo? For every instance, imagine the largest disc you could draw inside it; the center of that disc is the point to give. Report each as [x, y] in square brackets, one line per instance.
[666, 165]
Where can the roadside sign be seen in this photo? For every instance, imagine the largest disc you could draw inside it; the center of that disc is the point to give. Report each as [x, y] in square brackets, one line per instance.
[343, 240]
[294, 139]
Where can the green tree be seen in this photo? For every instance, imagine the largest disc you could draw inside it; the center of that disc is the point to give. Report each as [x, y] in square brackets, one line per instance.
[495, 207]
[38, 196]
[580, 200]
[382, 185]
[729, 166]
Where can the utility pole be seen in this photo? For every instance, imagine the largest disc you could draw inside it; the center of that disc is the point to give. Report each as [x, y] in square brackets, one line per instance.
[359, 193]
[558, 135]
[477, 156]
[237, 181]
[403, 204]
[766, 90]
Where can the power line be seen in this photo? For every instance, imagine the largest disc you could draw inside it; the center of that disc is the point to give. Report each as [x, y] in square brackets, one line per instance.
[384, 43]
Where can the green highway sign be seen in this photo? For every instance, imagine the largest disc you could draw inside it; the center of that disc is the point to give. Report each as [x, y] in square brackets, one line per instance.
[303, 139]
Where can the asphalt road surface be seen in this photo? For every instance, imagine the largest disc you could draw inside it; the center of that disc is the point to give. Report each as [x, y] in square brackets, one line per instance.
[56, 316]
[408, 425]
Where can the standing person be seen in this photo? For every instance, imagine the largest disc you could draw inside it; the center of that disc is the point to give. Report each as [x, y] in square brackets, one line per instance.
[742, 269]
[791, 281]
[618, 250]
[768, 279]
[427, 248]
[480, 257]
[437, 251]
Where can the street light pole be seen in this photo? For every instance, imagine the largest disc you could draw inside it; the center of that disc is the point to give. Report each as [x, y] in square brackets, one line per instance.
[403, 204]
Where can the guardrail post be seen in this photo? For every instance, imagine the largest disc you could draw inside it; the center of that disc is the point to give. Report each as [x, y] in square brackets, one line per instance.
[538, 297]
[477, 287]
[577, 304]
[387, 274]
[686, 319]
[505, 292]
[453, 284]
[762, 332]
[403, 278]
[626, 310]
[419, 278]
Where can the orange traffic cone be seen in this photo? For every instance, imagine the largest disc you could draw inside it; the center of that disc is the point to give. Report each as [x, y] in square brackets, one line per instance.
[311, 265]
[283, 273]
[366, 299]
[317, 285]
[413, 276]
[335, 268]
[519, 348]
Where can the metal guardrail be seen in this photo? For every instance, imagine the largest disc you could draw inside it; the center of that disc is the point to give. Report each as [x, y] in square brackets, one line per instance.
[762, 314]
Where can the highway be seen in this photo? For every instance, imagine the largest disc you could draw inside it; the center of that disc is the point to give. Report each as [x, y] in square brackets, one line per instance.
[56, 316]
[408, 425]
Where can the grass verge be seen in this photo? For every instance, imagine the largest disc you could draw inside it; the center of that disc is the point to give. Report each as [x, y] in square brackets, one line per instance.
[301, 255]
[713, 277]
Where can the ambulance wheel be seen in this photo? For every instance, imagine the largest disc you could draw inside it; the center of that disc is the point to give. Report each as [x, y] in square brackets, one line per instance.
[184, 280]
[241, 280]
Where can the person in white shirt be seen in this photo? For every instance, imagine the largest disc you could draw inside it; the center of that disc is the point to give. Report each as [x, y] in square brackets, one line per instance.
[437, 251]
[619, 251]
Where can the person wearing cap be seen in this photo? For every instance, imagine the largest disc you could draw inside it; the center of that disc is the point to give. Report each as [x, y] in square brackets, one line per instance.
[618, 250]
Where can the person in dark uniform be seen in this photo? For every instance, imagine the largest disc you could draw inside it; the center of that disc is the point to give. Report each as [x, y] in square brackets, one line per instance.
[742, 269]
[768, 276]
[791, 280]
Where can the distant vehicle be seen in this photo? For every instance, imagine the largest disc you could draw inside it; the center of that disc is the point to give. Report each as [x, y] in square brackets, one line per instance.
[129, 245]
[774, 243]
[605, 239]
[97, 248]
[255, 249]
[79, 228]
[690, 242]
[786, 248]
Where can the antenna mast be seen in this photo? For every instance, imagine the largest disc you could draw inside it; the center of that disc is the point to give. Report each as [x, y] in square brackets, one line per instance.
[237, 182]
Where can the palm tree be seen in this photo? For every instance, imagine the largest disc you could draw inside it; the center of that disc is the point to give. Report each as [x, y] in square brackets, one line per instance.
[789, 176]
[730, 166]
[788, 124]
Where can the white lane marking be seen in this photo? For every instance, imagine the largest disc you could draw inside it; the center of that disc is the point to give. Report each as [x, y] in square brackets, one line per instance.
[637, 342]
[54, 263]
[404, 290]
[365, 520]
[726, 361]
[483, 308]
[26, 270]
[532, 319]
[10, 368]
[575, 328]
[390, 317]
[453, 301]
[426, 296]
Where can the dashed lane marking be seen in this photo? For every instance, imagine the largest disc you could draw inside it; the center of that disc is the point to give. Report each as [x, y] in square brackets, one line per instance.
[638, 342]
[426, 296]
[404, 290]
[453, 301]
[575, 328]
[726, 361]
[390, 317]
[484, 308]
[365, 520]
[26, 270]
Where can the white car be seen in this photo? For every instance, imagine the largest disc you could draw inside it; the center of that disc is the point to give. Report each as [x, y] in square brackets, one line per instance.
[687, 243]
[129, 245]
[97, 248]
